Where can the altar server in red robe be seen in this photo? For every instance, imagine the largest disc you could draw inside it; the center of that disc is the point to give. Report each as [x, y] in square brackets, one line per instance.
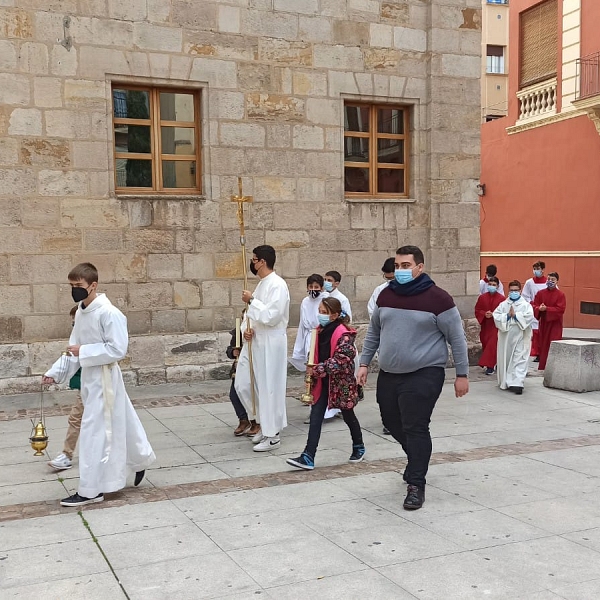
[532, 286]
[484, 312]
[549, 307]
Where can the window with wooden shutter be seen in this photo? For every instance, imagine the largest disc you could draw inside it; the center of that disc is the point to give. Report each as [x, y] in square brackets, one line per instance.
[539, 43]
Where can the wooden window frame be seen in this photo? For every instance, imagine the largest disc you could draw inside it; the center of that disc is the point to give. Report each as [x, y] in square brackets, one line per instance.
[156, 155]
[373, 163]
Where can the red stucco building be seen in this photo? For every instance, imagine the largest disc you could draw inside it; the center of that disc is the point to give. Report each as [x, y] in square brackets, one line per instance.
[541, 163]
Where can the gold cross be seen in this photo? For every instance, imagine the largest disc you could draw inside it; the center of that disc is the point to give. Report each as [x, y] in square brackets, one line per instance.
[239, 197]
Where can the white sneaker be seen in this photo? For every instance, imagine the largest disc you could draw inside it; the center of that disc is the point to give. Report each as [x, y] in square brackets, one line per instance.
[61, 463]
[267, 444]
[257, 438]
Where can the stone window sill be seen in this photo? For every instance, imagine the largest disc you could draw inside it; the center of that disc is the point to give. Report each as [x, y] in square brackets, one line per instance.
[376, 199]
[180, 197]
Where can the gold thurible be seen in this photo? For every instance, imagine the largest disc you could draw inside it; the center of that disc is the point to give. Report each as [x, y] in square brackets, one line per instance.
[39, 439]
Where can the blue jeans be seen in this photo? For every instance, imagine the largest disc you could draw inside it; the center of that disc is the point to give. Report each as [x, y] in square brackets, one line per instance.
[240, 411]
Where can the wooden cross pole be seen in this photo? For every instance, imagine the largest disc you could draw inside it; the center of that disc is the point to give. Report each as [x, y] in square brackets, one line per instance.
[240, 199]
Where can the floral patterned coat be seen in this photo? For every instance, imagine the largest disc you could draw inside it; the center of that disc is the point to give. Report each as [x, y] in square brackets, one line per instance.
[340, 366]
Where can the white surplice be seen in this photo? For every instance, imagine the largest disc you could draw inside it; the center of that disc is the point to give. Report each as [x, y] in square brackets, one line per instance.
[373, 299]
[530, 289]
[309, 320]
[268, 314]
[343, 301]
[483, 287]
[112, 440]
[514, 342]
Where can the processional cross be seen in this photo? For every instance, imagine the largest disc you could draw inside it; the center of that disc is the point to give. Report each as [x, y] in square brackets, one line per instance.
[240, 199]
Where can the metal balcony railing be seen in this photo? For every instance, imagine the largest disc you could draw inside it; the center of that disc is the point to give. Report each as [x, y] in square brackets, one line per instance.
[588, 76]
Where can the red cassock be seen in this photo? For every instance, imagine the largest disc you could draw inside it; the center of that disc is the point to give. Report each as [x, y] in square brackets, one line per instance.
[551, 320]
[489, 333]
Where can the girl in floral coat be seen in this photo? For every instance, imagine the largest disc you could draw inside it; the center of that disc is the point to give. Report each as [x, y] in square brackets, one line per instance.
[334, 382]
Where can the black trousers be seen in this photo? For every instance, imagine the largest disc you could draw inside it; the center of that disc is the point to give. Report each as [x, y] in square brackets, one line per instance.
[406, 402]
[317, 412]
[240, 411]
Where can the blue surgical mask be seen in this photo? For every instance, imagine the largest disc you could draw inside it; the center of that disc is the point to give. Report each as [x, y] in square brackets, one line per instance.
[492, 289]
[403, 275]
[324, 320]
[537, 272]
[328, 286]
[514, 295]
[550, 285]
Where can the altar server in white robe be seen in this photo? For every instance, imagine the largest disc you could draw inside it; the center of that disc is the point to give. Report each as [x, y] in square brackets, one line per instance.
[388, 275]
[112, 441]
[513, 318]
[268, 315]
[309, 320]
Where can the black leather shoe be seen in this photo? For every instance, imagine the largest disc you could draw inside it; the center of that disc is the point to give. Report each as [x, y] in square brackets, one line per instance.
[415, 498]
[517, 390]
[138, 478]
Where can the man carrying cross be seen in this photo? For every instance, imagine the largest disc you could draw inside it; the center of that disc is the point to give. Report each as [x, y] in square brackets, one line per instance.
[268, 315]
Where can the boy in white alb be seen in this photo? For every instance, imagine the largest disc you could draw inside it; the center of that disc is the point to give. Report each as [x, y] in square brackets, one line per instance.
[309, 320]
[112, 441]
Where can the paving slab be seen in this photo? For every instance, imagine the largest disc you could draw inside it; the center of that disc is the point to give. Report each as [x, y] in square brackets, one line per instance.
[355, 586]
[49, 562]
[97, 586]
[187, 578]
[157, 544]
[307, 557]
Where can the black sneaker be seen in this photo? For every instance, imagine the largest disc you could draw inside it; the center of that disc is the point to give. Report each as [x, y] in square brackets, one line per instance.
[489, 371]
[386, 431]
[304, 461]
[77, 500]
[358, 453]
[138, 478]
[414, 498]
[536, 359]
[517, 390]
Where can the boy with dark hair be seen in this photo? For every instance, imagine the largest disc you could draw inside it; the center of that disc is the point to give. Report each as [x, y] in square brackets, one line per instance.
[309, 320]
[488, 336]
[549, 306]
[331, 285]
[490, 271]
[532, 286]
[388, 275]
[112, 439]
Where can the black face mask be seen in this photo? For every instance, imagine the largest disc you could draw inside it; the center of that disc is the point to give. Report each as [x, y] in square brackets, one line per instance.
[79, 294]
[253, 268]
[314, 293]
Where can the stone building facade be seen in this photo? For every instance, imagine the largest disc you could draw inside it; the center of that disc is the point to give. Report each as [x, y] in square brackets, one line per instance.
[272, 78]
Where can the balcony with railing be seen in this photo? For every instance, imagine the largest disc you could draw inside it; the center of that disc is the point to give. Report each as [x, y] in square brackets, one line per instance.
[587, 91]
[588, 76]
[537, 101]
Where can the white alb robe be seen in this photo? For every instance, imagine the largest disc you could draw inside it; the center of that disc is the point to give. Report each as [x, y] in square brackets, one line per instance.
[343, 301]
[514, 342]
[373, 299]
[112, 440]
[309, 320]
[530, 289]
[269, 315]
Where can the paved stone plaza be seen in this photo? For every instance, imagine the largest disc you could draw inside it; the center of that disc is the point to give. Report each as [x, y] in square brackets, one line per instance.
[512, 511]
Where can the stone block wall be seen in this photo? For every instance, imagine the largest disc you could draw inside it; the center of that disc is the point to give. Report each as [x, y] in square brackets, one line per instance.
[273, 75]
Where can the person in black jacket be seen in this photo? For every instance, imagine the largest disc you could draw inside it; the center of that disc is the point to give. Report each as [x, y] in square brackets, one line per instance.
[245, 426]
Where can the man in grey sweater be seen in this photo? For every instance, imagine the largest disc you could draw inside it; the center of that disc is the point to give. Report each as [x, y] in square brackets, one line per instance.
[412, 325]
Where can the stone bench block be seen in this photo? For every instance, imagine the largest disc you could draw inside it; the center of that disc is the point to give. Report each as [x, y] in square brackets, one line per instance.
[573, 365]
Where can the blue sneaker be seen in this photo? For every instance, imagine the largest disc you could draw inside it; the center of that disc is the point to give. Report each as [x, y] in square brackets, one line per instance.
[358, 453]
[304, 461]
